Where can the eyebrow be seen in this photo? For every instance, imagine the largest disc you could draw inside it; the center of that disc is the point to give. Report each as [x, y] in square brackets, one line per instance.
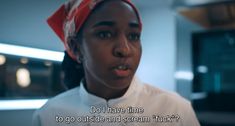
[104, 23]
[112, 23]
[134, 25]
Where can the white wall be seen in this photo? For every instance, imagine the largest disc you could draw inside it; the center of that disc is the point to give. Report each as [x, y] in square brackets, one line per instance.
[158, 39]
[184, 30]
[23, 22]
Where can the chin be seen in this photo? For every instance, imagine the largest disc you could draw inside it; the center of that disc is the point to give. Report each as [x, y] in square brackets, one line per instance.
[120, 83]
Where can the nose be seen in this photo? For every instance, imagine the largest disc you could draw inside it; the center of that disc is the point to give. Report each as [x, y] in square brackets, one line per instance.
[122, 47]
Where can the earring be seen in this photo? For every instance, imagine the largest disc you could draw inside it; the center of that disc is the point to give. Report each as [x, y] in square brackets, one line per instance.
[79, 59]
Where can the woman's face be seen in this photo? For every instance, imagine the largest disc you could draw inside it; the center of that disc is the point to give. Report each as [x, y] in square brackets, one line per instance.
[111, 47]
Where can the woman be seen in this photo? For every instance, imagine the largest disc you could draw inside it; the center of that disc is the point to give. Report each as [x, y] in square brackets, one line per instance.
[103, 50]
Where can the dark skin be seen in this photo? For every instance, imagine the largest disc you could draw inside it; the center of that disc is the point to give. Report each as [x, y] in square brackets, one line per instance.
[111, 49]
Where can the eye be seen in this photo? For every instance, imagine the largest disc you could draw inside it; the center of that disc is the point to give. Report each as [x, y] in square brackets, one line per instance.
[104, 34]
[134, 37]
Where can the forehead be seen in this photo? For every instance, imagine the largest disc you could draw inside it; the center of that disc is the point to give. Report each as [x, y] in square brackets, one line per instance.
[113, 10]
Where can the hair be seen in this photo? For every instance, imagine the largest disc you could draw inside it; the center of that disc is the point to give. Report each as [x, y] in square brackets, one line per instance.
[73, 72]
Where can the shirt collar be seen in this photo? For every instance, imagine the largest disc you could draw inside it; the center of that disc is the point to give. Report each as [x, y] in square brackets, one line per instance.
[127, 99]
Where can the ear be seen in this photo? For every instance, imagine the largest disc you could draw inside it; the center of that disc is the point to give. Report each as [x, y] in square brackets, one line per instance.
[74, 46]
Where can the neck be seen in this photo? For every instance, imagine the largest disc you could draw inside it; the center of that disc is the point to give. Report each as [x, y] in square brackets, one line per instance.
[103, 91]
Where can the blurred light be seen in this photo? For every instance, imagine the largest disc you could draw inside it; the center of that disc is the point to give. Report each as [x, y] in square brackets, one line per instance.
[184, 75]
[200, 95]
[2, 59]
[196, 2]
[31, 52]
[24, 60]
[48, 63]
[21, 104]
[23, 77]
[202, 69]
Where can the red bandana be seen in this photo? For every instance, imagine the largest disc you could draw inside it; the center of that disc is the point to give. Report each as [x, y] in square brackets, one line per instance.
[69, 18]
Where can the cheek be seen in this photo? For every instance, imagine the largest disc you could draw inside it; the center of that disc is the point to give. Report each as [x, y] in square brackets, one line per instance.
[138, 51]
[96, 53]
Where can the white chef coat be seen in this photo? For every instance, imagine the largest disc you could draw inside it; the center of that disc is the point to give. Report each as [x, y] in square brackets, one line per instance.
[141, 105]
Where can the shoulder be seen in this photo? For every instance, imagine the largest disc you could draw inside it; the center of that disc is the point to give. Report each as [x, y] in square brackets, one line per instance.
[62, 104]
[155, 92]
[56, 106]
[163, 101]
[168, 103]
[66, 98]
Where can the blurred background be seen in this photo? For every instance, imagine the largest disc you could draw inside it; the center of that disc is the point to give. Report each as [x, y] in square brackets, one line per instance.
[188, 48]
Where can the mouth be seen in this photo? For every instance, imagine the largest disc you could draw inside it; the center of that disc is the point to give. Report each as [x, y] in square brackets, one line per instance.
[122, 70]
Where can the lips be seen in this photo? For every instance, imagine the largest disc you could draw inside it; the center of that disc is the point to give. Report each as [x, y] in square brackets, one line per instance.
[122, 70]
